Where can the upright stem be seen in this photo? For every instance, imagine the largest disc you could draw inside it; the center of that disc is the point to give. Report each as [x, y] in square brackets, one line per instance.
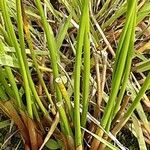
[54, 61]
[86, 72]
[13, 38]
[133, 106]
[77, 71]
[22, 46]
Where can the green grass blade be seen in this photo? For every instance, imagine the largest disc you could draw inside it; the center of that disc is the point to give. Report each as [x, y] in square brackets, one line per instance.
[11, 79]
[62, 32]
[127, 68]
[13, 38]
[86, 73]
[22, 46]
[143, 66]
[139, 133]
[3, 81]
[54, 59]
[120, 61]
[133, 106]
[142, 91]
[3, 95]
[77, 72]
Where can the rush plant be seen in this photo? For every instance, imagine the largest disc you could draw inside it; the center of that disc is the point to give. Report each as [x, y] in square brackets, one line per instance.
[75, 74]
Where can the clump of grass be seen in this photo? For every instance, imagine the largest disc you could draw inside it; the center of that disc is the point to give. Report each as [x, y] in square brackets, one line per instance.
[76, 68]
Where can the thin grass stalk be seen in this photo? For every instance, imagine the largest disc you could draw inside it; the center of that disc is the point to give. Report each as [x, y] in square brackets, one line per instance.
[117, 80]
[132, 87]
[11, 79]
[86, 72]
[133, 106]
[119, 55]
[103, 35]
[54, 59]
[36, 113]
[109, 145]
[139, 133]
[122, 10]
[99, 87]
[3, 74]
[55, 12]
[120, 61]
[51, 43]
[103, 9]
[33, 55]
[62, 32]
[5, 35]
[14, 86]
[123, 106]
[71, 7]
[45, 112]
[127, 70]
[22, 46]
[68, 131]
[65, 96]
[20, 28]
[3, 95]
[117, 14]
[13, 38]
[3, 81]
[51, 130]
[94, 35]
[111, 115]
[124, 32]
[142, 91]
[77, 72]
[144, 66]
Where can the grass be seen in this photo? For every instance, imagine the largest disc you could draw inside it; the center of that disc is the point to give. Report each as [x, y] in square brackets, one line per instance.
[75, 74]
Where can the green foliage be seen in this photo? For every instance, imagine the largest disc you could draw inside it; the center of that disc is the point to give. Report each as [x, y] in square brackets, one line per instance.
[95, 45]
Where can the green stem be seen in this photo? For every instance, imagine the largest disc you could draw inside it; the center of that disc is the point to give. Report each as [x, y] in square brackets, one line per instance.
[5, 84]
[103, 9]
[65, 96]
[33, 55]
[54, 60]
[13, 38]
[140, 94]
[3, 95]
[77, 71]
[22, 45]
[116, 80]
[133, 106]
[86, 72]
[127, 70]
[14, 86]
